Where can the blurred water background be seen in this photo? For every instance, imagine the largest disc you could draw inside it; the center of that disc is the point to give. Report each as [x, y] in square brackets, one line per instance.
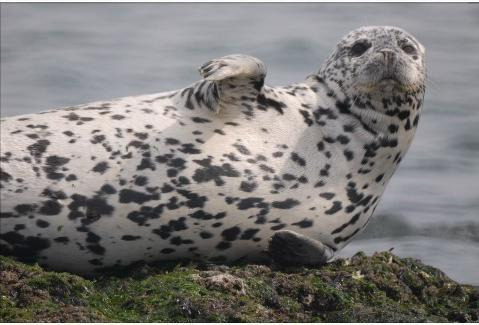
[55, 55]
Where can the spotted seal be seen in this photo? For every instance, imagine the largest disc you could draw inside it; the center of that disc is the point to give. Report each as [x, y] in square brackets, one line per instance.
[225, 169]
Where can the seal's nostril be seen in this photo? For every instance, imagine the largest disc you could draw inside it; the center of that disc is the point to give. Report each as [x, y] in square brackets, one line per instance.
[388, 55]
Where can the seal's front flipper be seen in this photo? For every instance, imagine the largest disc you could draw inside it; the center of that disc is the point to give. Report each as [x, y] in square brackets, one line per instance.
[287, 247]
[235, 77]
[238, 66]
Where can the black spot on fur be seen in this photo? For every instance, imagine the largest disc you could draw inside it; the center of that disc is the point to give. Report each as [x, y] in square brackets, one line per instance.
[167, 188]
[223, 245]
[278, 227]
[25, 208]
[202, 215]
[5, 177]
[141, 181]
[138, 144]
[393, 128]
[214, 173]
[144, 214]
[248, 186]
[298, 159]
[306, 117]
[42, 223]
[96, 249]
[146, 163]
[288, 177]
[324, 112]
[327, 195]
[101, 167]
[128, 196]
[71, 177]
[353, 220]
[337, 206]
[231, 234]
[320, 146]
[416, 121]
[141, 135]
[50, 208]
[251, 202]
[93, 208]
[200, 120]
[264, 102]
[277, 154]
[348, 154]
[189, 148]
[177, 225]
[92, 238]
[305, 223]
[172, 141]
[286, 204]
[19, 227]
[338, 240]
[97, 139]
[379, 178]
[164, 231]
[205, 235]
[353, 194]
[8, 215]
[38, 148]
[130, 237]
[25, 248]
[194, 199]
[242, 149]
[348, 128]
[39, 126]
[180, 241]
[108, 189]
[342, 139]
[248, 234]
[62, 239]
[404, 115]
[52, 165]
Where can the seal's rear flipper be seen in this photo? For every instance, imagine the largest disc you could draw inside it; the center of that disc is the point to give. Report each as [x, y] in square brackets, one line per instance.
[235, 77]
[287, 247]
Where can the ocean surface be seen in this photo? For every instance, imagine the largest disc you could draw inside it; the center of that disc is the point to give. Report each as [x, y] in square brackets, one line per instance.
[55, 55]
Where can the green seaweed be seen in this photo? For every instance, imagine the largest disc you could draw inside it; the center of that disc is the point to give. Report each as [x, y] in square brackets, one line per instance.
[382, 287]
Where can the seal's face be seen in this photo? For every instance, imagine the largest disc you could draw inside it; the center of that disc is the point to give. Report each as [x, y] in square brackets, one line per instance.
[377, 60]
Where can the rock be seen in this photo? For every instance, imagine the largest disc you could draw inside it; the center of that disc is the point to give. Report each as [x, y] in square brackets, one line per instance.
[222, 281]
[378, 288]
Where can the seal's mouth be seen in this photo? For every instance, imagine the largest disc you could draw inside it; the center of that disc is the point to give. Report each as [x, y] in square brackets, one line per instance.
[383, 85]
[385, 80]
[388, 82]
[389, 79]
[391, 84]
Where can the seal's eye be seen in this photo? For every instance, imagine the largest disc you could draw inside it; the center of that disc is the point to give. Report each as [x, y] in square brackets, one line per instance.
[359, 48]
[409, 49]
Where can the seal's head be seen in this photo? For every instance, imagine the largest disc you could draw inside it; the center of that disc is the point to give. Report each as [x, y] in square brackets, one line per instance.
[377, 60]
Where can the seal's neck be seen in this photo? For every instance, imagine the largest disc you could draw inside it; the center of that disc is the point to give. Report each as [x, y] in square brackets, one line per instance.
[380, 116]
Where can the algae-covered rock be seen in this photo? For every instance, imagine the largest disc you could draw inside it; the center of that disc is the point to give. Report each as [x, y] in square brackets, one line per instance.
[379, 288]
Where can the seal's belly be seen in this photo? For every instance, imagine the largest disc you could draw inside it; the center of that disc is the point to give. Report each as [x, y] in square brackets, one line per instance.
[82, 189]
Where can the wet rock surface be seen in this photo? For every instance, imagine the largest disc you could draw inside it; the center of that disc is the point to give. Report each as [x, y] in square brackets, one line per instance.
[378, 288]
